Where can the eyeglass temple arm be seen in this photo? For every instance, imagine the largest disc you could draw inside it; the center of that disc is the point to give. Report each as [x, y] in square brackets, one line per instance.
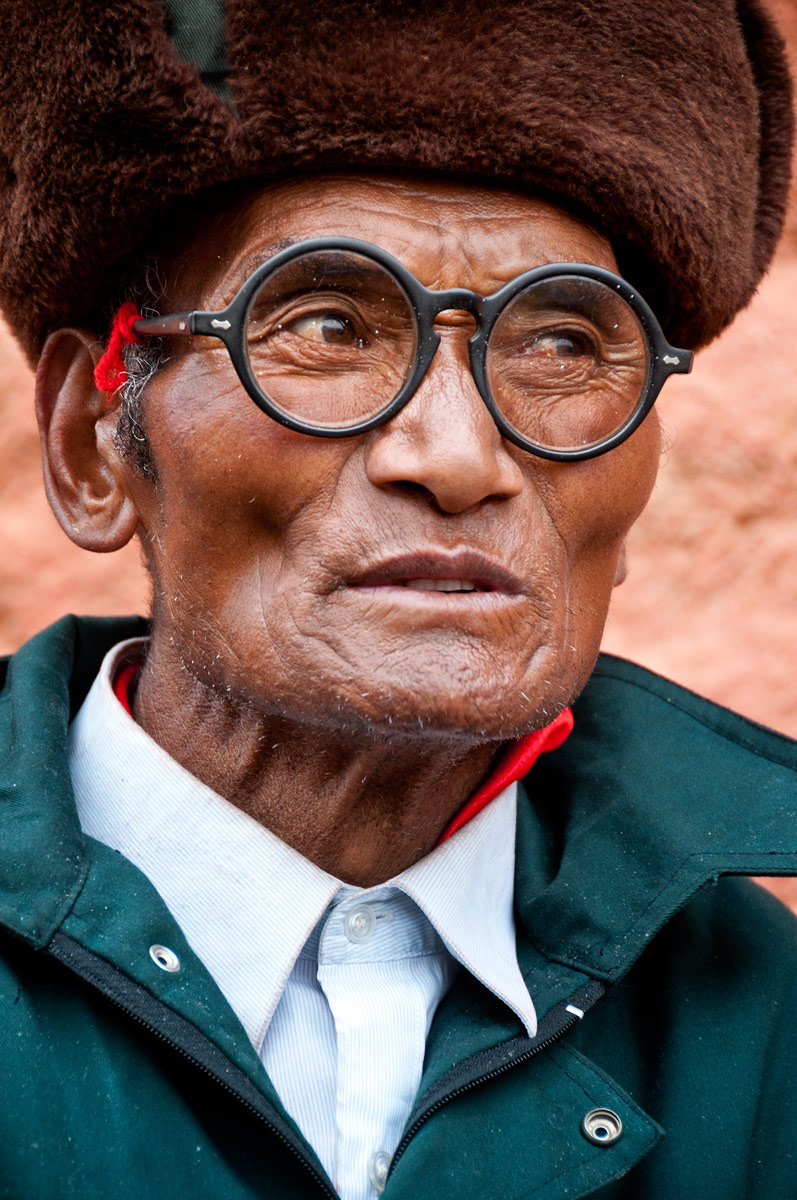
[207, 324]
[677, 362]
[176, 323]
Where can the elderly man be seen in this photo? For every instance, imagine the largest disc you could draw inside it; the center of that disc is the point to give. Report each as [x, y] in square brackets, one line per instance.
[391, 294]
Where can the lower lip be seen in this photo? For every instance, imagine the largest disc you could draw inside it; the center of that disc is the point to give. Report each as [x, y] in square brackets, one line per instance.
[421, 598]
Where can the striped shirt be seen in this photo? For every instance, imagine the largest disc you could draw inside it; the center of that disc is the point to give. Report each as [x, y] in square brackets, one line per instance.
[335, 986]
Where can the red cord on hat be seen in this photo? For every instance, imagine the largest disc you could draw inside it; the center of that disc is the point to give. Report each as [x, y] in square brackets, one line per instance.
[110, 372]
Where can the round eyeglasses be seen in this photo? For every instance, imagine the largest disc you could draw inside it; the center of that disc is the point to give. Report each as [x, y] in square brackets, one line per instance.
[332, 337]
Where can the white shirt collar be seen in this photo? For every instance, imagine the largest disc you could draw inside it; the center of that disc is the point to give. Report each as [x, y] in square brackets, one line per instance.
[246, 901]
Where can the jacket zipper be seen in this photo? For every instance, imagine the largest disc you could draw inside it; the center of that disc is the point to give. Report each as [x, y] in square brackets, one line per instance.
[56, 950]
[585, 996]
[292, 1146]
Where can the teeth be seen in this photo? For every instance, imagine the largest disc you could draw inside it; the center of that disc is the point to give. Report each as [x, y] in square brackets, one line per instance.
[441, 585]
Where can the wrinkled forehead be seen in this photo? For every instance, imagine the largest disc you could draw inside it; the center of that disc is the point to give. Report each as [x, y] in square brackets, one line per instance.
[449, 234]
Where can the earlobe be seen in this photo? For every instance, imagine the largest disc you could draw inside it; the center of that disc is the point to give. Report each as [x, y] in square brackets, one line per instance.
[621, 570]
[84, 475]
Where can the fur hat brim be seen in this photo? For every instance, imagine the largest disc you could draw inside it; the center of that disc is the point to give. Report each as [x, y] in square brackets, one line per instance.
[666, 122]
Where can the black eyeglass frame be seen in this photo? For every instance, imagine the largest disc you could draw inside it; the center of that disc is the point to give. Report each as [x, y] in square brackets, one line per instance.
[229, 326]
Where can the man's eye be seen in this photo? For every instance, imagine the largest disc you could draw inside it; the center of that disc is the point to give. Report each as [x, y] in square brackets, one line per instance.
[328, 328]
[562, 345]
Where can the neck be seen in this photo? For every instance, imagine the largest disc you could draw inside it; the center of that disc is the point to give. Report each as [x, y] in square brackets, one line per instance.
[362, 805]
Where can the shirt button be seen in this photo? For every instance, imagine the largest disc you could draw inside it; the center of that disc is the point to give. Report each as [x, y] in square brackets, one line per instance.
[378, 1169]
[359, 924]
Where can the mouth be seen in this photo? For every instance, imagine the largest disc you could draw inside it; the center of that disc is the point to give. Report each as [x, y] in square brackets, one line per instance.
[462, 573]
[442, 585]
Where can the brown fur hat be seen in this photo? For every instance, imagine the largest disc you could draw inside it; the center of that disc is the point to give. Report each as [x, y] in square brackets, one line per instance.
[666, 122]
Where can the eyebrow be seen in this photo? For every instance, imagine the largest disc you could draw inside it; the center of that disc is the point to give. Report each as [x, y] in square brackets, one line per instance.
[251, 263]
[320, 268]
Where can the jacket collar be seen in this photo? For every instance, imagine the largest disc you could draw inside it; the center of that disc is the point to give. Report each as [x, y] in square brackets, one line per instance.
[655, 793]
[45, 858]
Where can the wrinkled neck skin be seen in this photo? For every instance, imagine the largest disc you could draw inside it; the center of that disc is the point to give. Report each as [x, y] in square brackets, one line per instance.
[362, 805]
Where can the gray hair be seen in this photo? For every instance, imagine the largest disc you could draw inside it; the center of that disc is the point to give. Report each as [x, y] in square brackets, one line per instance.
[145, 288]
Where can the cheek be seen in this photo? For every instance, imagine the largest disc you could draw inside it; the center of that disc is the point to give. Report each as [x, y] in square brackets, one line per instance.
[599, 500]
[236, 493]
[597, 504]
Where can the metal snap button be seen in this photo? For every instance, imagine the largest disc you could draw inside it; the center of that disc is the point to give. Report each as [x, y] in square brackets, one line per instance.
[378, 1169]
[164, 958]
[359, 924]
[602, 1127]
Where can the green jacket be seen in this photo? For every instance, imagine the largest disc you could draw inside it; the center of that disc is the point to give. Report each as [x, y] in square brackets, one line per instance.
[119, 1079]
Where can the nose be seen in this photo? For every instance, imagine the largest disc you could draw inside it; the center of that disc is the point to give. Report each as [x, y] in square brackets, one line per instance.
[444, 442]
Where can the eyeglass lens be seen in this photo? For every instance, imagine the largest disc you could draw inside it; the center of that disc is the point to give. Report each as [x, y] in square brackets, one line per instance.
[332, 338]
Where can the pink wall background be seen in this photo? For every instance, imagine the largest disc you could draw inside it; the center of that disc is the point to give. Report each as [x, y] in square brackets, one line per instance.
[711, 596]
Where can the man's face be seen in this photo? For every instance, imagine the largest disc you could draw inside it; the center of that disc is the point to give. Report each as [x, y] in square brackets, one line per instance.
[302, 576]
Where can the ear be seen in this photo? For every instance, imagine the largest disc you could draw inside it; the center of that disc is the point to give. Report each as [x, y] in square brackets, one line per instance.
[621, 570]
[84, 475]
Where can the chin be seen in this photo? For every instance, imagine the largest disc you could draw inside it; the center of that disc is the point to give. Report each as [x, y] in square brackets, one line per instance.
[467, 689]
[488, 710]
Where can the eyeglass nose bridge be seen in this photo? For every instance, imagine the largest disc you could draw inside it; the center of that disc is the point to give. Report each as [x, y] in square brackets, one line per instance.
[455, 300]
[430, 304]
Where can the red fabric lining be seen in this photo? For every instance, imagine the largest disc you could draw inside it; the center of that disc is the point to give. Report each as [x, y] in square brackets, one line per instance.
[516, 762]
[124, 685]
